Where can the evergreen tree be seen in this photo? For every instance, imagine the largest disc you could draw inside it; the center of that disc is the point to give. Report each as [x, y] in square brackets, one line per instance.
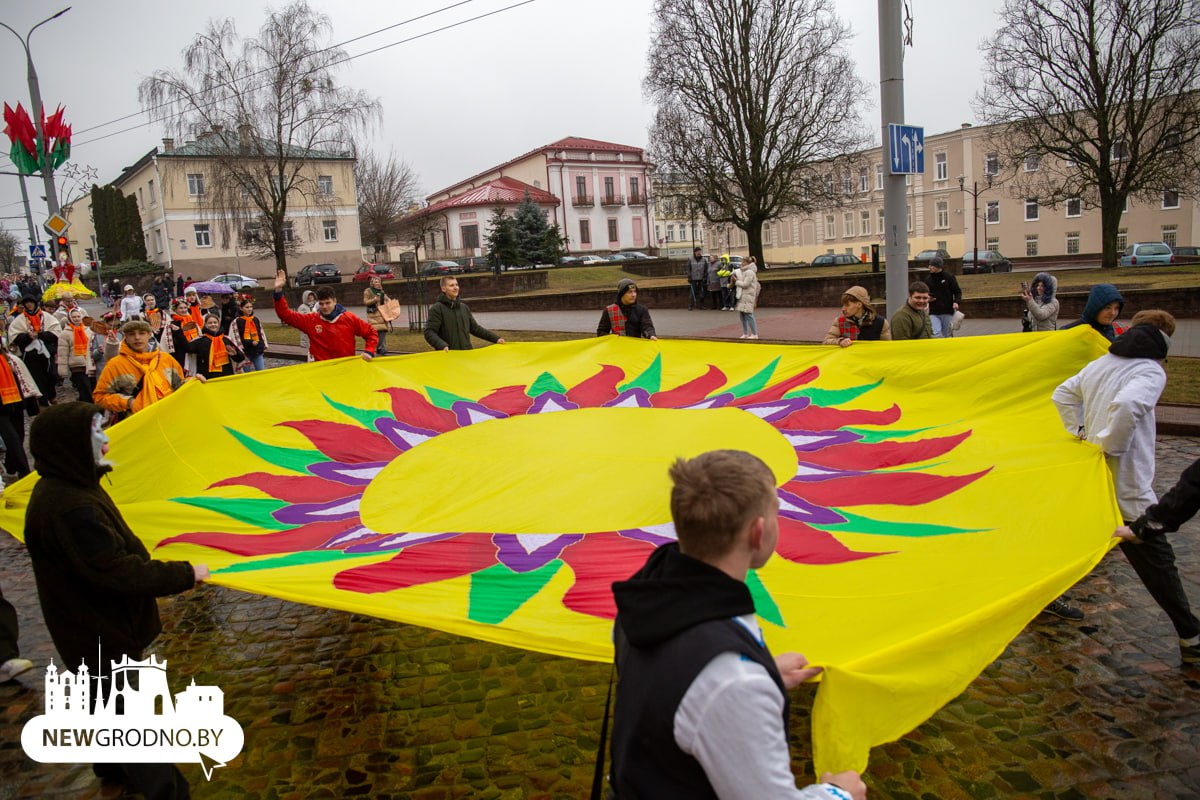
[118, 225]
[502, 240]
[135, 242]
[532, 231]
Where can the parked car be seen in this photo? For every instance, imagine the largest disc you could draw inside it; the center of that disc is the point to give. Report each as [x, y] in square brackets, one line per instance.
[239, 283]
[1140, 254]
[926, 255]
[616, 258]
[312, 274]
[591, 260]
[989, 261]
[1187, 250]
[368, 271]
[834, 259]
[440, 268]
[635, 255]
[474, 264]
[568, 261]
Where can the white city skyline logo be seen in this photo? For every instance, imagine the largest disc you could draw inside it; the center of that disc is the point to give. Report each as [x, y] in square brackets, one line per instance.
[136, 722]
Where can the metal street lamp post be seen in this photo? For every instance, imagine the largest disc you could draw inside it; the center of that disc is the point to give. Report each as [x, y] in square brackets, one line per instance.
[35, 98]
[975, 191]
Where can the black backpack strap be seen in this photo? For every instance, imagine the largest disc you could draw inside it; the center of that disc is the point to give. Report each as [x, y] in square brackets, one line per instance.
[598, 775]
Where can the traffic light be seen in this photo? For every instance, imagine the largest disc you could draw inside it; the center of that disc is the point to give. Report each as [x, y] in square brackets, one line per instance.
[63, 246]
[89, 255]
[100, 253]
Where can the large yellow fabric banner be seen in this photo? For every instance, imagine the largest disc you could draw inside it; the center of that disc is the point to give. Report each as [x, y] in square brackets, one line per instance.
[499, 493]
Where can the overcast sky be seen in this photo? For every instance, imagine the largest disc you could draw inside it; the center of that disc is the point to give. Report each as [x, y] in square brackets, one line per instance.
[454, 102]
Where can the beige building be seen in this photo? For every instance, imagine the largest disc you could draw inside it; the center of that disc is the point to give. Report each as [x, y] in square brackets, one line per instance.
[942, 215]
[182, 234]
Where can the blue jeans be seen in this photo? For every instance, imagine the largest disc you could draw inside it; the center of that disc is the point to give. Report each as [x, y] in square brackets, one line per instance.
[749, 325]
[256, 362]
[941, 325]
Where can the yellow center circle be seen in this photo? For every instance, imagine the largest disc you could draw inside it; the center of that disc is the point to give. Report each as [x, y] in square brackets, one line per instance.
[593, 469]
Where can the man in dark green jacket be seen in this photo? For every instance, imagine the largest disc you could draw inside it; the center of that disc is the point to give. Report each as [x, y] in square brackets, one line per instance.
[96, 582]
[450, 325]
[911, 320]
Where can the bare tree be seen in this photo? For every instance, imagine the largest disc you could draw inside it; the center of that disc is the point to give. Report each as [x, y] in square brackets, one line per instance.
[8, 251]
[750, 94]
[386, 189]
[1101, 97]
[269, 107]
[416, 229]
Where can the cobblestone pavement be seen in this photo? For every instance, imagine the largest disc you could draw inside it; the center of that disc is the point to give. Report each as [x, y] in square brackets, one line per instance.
[340, 705]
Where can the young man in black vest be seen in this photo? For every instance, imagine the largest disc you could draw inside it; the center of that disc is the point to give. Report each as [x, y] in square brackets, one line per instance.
[702, 706]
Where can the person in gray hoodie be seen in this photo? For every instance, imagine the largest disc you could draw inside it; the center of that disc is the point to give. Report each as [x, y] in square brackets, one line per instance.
[697, 273]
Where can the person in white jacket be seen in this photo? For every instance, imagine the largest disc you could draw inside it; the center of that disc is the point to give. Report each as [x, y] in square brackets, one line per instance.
[130, 305]
[1110, 403]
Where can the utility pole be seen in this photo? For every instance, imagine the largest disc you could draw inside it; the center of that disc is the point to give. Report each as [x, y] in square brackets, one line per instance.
[891, 90]
[33, 237]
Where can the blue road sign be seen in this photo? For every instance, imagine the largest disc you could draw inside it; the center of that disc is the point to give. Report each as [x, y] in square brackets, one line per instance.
[37, 252]
[907, 153]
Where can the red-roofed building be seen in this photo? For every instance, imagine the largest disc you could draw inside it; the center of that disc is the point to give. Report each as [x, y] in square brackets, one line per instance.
[594, 191]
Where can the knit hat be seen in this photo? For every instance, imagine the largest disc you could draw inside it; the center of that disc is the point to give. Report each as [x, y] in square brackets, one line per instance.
[136, 325]
[624, 285]
[936, 261]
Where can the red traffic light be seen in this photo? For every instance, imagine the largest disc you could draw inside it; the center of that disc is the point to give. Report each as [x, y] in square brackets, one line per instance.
[62, 241]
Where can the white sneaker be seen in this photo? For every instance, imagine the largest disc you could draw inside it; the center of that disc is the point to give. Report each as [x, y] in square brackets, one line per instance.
[743, 336]
[14, 667]
[753, 336]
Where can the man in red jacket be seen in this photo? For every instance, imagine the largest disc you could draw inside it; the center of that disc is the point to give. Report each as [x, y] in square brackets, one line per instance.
[331, 330]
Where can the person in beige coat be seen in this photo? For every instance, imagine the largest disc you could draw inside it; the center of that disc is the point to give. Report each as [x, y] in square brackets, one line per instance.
[75, 358]
[373, 298]
[858, 321]
[747, 289]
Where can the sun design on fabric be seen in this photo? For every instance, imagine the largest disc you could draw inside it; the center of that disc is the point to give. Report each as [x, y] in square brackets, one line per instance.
[513, 487]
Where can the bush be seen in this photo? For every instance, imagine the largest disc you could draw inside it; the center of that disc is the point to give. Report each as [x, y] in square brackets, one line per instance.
[130, 269]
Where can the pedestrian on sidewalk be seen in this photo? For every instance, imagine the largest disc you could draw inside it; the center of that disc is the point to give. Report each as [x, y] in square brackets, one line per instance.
[1041, 306]
[216, 353]
[332, 330]
[76, 361]
[308, 305]
[944, 298]
[1103, 306]
[373, 297]
[247, 331]
[697, 273]
[131, 305]
[713, 278]
[1110, 403]
[626, 317]
[34, 335]
[858, 321]
[701, 707]
[95, 580]
[451, 325]
[746, 287]
[911, 320]
[18, 393]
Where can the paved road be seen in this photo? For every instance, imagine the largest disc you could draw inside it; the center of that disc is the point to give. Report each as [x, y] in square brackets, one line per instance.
[339, 705]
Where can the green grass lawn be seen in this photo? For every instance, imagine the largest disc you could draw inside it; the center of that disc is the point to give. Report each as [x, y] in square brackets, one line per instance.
[1183, 381]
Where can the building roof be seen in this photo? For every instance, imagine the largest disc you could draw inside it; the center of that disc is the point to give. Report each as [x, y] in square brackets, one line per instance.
[215, 143]
[566, 143]
[498, 192]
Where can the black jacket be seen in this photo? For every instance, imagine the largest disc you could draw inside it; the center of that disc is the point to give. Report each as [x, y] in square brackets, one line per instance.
[943, 287]
[637, 321]
[95, 579]
[452, 325]
[1174, 508]
[202, 347]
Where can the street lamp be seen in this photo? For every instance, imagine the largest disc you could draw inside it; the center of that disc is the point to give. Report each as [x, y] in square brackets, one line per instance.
[975, 191]
[35, 98]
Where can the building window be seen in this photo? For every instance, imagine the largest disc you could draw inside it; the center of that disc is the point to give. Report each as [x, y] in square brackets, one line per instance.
[141, 198]
[1073, 243]
[289, 231]
[612, 231]
[670, 233]
[1031, 209]
[908, 179]
[993, 212]
[991, 164]
[942, 214]
[329, 228]
[829, 184]
[830, 230]
[768, 235]
[1031, 244]
[864, 180]
[941, 167]
[158, 241]
[1125, 204]
[585, 231]
[993, 243]
[1074, 207]
[153, 194]
[879, 177]
[658, 233]
[1171, 140]
[195, 184]
[609, 191]
[470, 236]
[203, 237]
[864, 221]
[581, 187]
[1170, 198]
[1120, 150]
[1032, 162]
[634, 195]
[879, 222]
[325, 185]
[1122, 239]
[848, 224]
[1170, 235]
[847, 184]
[908, 213]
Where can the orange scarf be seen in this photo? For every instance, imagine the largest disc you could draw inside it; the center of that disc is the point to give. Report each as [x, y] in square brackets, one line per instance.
[249, 329]
[218, 356]
[35, 321]
[197, 315]
[9, 391]
[155, 385]
[80, 340]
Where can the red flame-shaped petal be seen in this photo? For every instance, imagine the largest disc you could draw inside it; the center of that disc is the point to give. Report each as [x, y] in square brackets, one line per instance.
[306, 537]
[804, 544]
[597, 560]
[598, 389]
[511, 400]
[881, 455]
[818, 418]
[693, 391]
[412, 408]
[778, 390]
[292, 488]
[420, 564]
[894, 488]
[349, 444]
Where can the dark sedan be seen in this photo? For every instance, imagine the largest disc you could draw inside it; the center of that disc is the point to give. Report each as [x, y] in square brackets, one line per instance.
[834, 259]
[441, 268]
[989, 261]
[313, 274]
